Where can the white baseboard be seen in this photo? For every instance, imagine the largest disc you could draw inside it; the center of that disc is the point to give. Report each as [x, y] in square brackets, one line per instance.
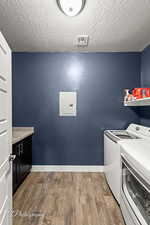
[57, 168]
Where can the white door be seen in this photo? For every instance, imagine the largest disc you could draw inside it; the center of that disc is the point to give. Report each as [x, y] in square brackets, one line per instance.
[5, 134]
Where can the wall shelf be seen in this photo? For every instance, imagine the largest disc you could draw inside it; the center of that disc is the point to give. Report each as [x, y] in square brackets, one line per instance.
[138, 102]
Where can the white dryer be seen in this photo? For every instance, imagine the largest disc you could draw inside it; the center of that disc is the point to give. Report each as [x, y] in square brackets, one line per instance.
[135, 188]
[112, 158]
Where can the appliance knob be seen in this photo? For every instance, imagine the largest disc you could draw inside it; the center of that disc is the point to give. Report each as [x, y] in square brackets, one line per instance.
[137, 128]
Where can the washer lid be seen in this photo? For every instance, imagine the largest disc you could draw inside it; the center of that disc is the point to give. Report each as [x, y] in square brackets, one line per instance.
[123, 134]
[138, 153]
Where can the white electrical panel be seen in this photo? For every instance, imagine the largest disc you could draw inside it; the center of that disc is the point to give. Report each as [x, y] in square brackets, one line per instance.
[67, 103]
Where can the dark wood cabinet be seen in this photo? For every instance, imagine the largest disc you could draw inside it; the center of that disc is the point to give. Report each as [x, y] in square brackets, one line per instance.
[23, 161]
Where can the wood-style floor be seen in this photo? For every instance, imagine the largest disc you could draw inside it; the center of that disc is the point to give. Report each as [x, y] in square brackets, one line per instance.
[65, 199]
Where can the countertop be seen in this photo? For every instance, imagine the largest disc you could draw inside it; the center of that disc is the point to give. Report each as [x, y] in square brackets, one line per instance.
[19, 133]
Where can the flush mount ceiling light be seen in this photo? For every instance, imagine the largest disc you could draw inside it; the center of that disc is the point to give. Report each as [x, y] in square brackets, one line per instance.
[71, 7]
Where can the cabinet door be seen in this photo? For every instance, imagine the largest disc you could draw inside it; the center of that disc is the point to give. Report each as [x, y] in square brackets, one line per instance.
[15, 169]
[23, 161]
[27, 154]
[25, 157]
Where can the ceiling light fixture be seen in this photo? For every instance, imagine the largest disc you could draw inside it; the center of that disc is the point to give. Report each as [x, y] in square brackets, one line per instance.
[71, 7]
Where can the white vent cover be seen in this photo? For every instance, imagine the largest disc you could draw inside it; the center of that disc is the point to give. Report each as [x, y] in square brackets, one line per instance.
[82, 40]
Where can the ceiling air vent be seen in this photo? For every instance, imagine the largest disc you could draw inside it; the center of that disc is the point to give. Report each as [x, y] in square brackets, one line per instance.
[82, 40]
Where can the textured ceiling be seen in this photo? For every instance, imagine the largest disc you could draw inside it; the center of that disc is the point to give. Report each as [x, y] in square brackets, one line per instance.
[112, 25]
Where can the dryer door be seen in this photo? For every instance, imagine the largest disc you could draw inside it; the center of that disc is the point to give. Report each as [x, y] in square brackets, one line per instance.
[137, 193]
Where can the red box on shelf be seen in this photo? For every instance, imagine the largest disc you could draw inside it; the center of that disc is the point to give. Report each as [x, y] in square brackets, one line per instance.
[139, 93]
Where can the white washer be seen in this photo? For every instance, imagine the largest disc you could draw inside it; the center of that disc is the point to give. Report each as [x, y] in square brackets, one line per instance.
[112, 160]
[135, 188]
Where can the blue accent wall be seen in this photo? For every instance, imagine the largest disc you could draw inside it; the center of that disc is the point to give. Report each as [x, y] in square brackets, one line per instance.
[98, 78]
[145, 82]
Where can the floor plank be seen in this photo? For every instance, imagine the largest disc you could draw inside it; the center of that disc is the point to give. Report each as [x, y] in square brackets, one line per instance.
[65, 199]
